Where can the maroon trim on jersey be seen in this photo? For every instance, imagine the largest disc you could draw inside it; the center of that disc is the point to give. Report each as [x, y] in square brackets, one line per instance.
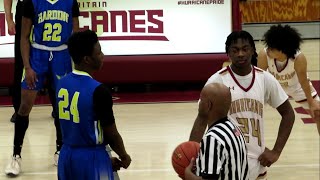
[304, 100]
[258, 69]
[235, 79]
[223, 71]
[275, 63]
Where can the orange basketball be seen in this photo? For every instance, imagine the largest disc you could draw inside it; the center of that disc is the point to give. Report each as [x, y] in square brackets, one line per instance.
[182, 155]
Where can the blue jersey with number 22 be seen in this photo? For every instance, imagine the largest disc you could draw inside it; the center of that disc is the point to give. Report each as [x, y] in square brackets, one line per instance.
[52, 22]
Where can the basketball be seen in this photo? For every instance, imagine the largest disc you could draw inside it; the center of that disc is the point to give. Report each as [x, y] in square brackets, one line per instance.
[182, 155]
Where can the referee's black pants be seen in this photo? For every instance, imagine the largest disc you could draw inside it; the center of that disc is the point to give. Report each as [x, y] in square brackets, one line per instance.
[18, 63]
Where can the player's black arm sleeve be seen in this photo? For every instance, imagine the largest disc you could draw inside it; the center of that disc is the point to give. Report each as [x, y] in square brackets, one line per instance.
[28, 9]
[75, 9]
[102, 101]
[75, 16]
[102, 104]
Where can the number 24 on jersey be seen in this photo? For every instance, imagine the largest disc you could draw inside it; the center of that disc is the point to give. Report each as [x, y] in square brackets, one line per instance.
[67, 109]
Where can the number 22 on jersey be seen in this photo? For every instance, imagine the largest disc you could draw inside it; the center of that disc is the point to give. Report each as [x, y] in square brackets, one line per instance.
[66, 110]
[52, 32]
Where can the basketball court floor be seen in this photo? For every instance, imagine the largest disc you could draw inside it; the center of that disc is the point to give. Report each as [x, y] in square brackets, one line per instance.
[151, 131]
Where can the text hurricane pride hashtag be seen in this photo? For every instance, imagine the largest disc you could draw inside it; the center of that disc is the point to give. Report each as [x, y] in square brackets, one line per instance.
[200, 2]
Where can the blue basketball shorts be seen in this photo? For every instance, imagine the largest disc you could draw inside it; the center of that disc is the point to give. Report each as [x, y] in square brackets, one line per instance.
[85, 163]
[48, 65]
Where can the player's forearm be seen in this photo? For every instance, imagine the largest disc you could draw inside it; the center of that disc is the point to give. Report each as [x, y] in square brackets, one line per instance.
[25, 52]
[198, 129]
[307, 91]
[116, 143]
[75, 24]
[285, 128]
[7, 9]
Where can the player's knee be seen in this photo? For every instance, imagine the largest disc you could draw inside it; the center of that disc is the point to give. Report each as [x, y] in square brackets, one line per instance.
[27, 101]
[25, 108]
[24, 111]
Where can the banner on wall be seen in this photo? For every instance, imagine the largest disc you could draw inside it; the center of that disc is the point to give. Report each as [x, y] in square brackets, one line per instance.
[139, 27]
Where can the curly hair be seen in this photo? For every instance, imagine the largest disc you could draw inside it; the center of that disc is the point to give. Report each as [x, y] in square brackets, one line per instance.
[81, 44]
[235, 35]
[283, 38]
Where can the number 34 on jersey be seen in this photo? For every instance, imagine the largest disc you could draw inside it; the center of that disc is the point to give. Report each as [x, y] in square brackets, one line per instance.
[247, 132]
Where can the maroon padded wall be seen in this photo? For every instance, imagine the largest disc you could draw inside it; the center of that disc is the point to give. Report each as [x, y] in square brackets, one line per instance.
[160, 69]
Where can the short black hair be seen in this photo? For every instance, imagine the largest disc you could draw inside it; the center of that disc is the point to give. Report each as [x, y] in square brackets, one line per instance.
[283, 38]
[81, 44]
[244, 35]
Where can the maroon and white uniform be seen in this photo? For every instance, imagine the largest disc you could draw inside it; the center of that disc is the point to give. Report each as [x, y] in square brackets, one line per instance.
[249, 94]
[285, 73]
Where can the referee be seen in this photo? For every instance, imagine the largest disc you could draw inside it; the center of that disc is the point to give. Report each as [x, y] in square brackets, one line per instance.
[223, 152]
[14, 28]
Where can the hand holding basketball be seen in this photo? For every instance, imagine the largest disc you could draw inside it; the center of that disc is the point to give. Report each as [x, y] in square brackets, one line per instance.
[182, 156]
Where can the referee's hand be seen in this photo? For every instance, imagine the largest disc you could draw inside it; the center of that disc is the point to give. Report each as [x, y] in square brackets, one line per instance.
[268, 157]
[188, 172]
[31, 78]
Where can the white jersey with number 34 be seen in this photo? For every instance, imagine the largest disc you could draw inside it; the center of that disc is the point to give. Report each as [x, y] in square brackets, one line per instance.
[249, 94]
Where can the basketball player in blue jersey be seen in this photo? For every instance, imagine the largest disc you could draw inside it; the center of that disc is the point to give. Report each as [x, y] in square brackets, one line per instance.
[86, 116]
[14, 27]
[47, 25]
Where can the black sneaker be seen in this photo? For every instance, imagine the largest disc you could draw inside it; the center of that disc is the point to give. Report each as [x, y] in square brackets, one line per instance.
[13, 118]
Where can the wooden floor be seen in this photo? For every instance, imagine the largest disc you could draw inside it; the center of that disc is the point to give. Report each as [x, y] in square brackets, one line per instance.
[151, 132]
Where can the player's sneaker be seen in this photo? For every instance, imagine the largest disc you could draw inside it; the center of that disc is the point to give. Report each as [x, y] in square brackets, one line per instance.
[13, 118]
[14, 168]
[56, 157]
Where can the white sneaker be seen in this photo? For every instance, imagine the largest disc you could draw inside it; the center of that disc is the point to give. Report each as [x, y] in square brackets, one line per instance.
[56, 158]
[14, 168]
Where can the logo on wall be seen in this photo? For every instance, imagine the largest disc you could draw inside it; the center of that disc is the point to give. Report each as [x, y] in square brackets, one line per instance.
[125, 25]
[122, 24]
[115, 24]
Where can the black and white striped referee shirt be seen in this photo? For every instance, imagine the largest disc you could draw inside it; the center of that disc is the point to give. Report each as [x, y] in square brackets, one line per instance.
[223, 153]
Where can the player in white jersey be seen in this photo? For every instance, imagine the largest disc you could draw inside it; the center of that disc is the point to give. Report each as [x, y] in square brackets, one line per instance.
[250, 89]
[284, 60]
